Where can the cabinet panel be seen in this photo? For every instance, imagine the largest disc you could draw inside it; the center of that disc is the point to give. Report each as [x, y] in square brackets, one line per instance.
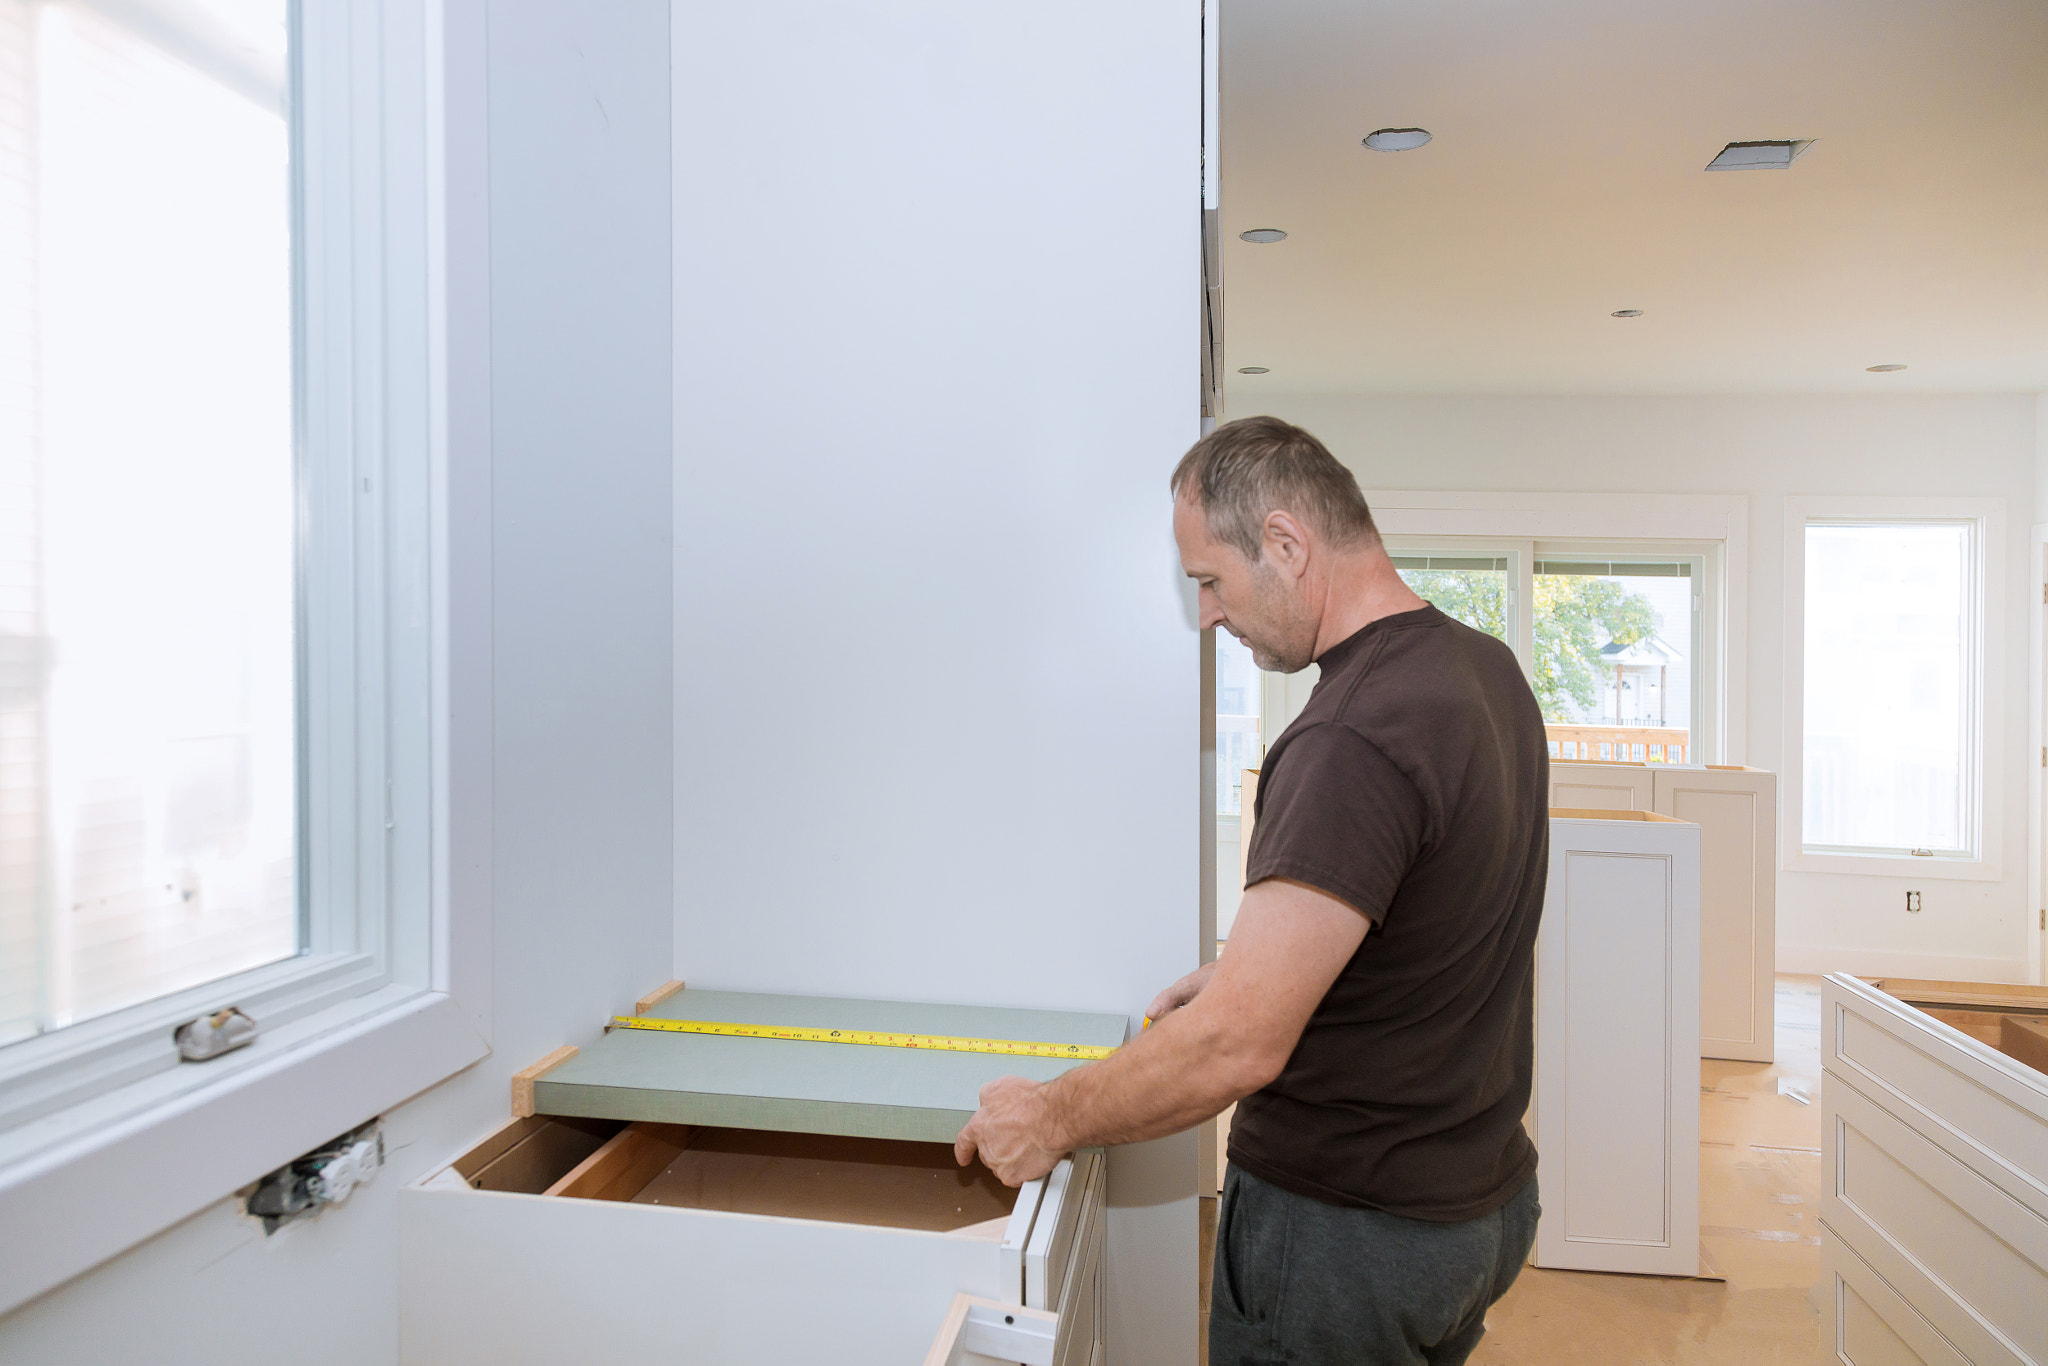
[1601, 787]
[1737, 812]
[1935, 1210]
[1616, 1110]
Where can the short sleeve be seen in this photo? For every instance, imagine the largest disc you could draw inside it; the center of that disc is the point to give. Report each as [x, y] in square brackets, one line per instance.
[1335, 813]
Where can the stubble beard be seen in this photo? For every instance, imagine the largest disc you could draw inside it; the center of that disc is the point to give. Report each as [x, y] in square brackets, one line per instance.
[1275, 611]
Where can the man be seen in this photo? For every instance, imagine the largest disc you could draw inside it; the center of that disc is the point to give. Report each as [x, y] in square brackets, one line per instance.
[1372, 1013]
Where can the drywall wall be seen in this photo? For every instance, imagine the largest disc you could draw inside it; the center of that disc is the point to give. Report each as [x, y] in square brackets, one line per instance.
[560, 492]
[938, 715]
[1768, 448]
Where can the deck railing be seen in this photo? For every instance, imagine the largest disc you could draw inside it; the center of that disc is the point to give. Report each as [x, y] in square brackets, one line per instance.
[1626, 744]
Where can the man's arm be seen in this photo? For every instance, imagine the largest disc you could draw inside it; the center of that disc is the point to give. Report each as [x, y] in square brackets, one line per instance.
[1234, 1036]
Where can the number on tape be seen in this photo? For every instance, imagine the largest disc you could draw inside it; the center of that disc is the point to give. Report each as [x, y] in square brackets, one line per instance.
[944, 1043]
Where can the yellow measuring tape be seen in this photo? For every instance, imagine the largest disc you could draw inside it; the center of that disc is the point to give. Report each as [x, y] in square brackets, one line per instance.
[944, 1043]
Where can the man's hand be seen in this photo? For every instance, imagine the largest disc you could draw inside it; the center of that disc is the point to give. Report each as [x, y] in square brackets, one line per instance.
[1180, 993]
[1011, 1132]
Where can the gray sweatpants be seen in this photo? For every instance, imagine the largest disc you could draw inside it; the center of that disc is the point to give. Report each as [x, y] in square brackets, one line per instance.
[1310, 1284]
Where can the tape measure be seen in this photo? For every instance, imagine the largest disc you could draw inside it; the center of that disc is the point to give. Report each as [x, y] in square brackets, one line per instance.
[944, 1043]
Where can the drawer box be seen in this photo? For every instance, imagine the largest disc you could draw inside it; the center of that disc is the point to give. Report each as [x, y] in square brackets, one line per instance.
[729, 1201]
[1935, 1156]
[554, 1240]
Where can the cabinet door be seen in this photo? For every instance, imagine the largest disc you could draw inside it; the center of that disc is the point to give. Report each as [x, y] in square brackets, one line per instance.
[1070, 1199]
[1617, 1047]
[1736, 810]
[1601, 787]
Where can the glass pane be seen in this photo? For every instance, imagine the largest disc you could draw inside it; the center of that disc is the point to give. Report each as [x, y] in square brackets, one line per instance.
[1614, 654]
[1474, 589]
[1888, 679]
[1237, 721]
[148, 790]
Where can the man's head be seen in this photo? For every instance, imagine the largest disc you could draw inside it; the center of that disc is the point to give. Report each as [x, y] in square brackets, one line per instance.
[1261, 510]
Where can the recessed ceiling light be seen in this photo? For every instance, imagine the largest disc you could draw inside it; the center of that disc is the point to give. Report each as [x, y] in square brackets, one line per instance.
[1396, 139]
[1773, 155]
[1253, 370]
[1883, 369]
[1626, 313]
[1264, 235]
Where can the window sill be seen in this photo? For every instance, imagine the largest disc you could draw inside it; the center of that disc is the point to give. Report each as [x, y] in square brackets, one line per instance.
[1895, 866]
[101, 1176]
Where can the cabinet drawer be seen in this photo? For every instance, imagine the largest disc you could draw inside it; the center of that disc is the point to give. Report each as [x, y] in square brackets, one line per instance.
[588, 1239]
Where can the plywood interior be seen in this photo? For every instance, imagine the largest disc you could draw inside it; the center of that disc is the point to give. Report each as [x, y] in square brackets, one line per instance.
[2024, 1039]
[1579, 813]
[529, 1155]
[886, 1182]
[2008, 1016]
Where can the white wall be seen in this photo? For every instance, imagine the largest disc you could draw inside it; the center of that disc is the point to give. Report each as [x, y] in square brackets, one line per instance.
[938, 709]
[1768, 448]
[563, 752]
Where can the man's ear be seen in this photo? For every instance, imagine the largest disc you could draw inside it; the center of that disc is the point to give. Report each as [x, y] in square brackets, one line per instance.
[1284, 541]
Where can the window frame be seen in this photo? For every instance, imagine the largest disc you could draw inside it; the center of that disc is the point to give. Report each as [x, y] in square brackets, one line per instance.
[1709, 682]
[1715, 524]
[1986, 797]
[110, 1138]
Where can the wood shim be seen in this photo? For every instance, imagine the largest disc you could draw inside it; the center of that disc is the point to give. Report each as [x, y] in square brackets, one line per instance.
[523, 1080]
[656, 997]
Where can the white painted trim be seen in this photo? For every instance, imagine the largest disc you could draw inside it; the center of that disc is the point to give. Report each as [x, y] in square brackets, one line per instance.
[1714, 517]
[1989, 513]
[1817, 960]
[401, 398]
[2037, 749]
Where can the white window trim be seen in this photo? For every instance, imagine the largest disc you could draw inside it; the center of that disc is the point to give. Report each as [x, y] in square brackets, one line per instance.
[1989, 797]
[395, 997]
[1643, 519]
[2037, 767]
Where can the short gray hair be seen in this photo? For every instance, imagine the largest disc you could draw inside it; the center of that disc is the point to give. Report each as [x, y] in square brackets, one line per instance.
[1256, 465]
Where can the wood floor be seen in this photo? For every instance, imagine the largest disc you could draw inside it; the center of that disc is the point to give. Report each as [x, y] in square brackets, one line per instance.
[1759, 1190]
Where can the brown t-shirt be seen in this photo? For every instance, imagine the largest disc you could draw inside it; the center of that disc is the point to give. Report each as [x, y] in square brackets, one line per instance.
[1413, 788]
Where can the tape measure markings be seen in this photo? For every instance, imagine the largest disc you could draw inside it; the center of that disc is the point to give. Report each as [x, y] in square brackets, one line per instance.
[938, 1042]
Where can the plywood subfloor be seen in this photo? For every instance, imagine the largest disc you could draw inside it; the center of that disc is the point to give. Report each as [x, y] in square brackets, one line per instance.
[1759, 1197]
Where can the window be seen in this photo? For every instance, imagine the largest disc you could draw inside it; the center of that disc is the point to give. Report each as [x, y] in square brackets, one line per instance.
[364, 955]
[1615, 638]
[1616, 641]
[1237, 721]
[148, 743]
[1890, 673]
[1472, 588]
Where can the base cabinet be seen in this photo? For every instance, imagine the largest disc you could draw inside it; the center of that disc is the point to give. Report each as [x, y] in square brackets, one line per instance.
[1934, 1221]
[1736, 810]
[1616, 1112]
[590, 1240]
[1597, 785]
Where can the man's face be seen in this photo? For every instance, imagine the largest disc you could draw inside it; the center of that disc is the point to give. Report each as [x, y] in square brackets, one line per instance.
[1251, 599]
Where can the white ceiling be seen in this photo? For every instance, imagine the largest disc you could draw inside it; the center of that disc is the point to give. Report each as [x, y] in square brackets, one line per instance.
[1566, 182]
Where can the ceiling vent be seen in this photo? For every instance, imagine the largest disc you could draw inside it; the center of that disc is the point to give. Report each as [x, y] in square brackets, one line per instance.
[1774, 155]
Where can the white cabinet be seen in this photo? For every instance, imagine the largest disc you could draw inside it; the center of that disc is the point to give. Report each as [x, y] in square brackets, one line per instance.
[1934, 1220]
[1736, 810]
[1616, 1107]
[1599, 786]
[730, 1246]
[603, 1236]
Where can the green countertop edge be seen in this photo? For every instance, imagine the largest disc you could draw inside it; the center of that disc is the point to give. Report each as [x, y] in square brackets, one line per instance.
[847, 1119]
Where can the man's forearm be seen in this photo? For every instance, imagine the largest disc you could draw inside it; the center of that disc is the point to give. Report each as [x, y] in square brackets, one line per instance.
[1171, 1077]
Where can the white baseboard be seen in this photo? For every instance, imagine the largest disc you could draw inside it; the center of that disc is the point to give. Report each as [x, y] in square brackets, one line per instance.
[1818, 959]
